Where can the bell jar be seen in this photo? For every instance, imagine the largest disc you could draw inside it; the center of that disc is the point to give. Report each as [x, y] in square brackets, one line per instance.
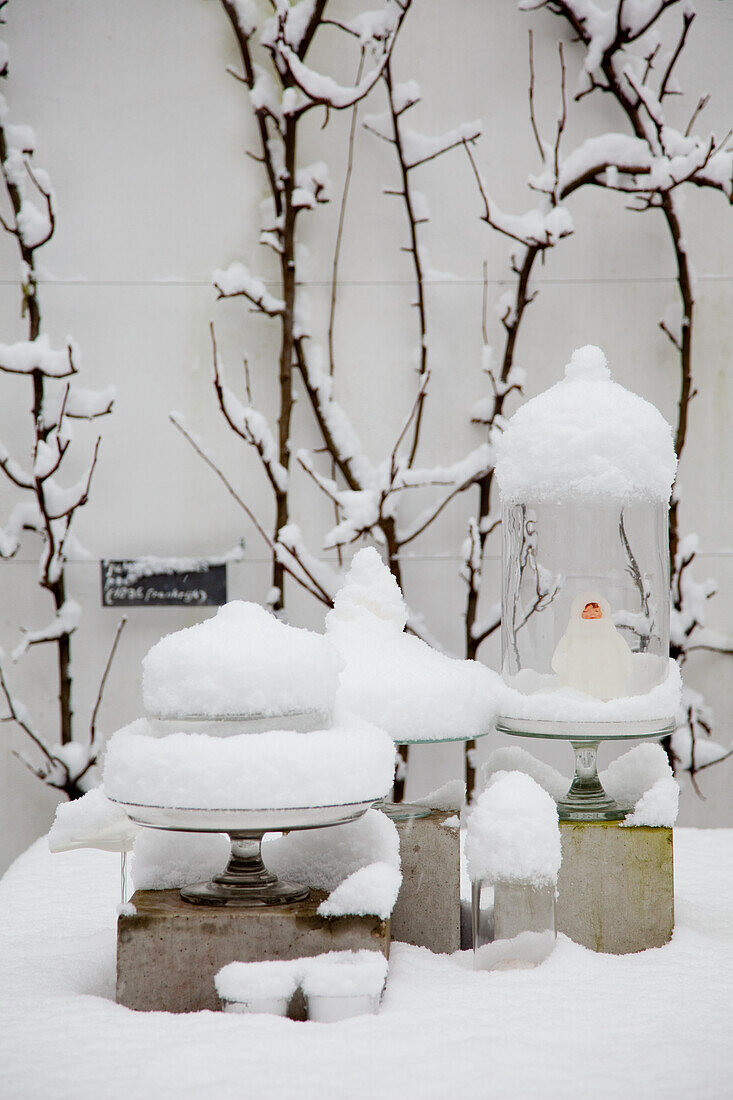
[585, 473]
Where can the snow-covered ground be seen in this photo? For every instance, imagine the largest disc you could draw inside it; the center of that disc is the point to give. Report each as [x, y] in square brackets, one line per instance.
[652, 1025]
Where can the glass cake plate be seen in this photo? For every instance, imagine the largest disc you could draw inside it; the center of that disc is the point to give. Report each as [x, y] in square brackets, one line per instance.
[231, 725]
[245, 882]
[408, 811]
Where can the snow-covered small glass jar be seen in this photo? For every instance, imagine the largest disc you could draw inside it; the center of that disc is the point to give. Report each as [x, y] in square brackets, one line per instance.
[513, 855]
[266, 987]
[585, 472]
[342, 984]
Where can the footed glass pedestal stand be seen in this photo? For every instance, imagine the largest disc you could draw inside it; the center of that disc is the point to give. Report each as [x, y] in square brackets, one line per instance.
[586, 799]
[407, 811]
[245, 882]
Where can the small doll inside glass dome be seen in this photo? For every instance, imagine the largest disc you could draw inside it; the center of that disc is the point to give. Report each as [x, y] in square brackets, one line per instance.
[585, 473]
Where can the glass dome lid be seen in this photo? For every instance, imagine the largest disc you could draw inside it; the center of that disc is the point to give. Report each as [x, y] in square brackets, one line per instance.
[586, 438]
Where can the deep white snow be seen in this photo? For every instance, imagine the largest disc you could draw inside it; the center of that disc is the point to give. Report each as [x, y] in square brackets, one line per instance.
[526, 699]
[92, 822]
[245, 981]
[344, 974]
[398, 681]
[352, 762]
[654, 1024]
[241, 661]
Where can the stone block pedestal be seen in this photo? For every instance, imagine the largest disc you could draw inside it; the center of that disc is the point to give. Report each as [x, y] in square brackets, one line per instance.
[616, 886]
[170, 950]
[428, 909]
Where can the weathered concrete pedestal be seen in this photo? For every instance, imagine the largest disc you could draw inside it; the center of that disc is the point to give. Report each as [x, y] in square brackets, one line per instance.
[170, 950]
[428, 909]
[616, 886]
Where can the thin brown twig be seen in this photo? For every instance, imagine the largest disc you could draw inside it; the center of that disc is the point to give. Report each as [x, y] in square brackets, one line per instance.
[103, 681]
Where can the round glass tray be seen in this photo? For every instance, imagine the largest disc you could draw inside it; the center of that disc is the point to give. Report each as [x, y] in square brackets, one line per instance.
[245, 882]
[407, 811]
[230, 725]
[441, 740]
[585, 731]
[255, 821]
[586, 799]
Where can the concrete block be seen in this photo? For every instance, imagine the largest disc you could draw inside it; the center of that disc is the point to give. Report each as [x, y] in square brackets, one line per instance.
[428, 909]
[616, 886]
[170, 950]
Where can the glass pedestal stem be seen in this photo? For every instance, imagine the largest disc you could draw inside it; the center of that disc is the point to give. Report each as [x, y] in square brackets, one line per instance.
[245, 882]
[586, 800]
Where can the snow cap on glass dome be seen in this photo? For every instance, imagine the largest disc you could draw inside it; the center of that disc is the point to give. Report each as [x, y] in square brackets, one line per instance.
[242, 661]
[586, 437]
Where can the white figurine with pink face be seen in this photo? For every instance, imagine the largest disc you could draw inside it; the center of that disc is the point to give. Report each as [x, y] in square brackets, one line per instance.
[592, 656]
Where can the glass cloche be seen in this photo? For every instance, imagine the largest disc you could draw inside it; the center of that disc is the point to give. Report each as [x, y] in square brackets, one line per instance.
[585, 472]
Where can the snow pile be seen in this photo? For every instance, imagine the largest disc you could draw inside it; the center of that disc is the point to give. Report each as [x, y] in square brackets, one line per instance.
[658, 806]
[643, 778]
[395, 680]
[369, 592]
[323, 858]
[586, 437]
[168, 860]
[252, 981]
[570, 705]
[370, 891]
[359, 863]
[520, 952]
[92, 822]
[513, 834]
[273, 770]
[344, 974]
[512, 758]
[242, 661]
[450, 796]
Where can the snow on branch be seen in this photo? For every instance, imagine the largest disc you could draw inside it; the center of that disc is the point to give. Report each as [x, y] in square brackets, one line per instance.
[535, 229]
[249, 424]
[24, 516]
[58, 502]
[34, 224]
[14, 470]
[341, 438]
[321, 90]
[84, 404]
[318, 89]
[64, 622]
[312, 573]
[421, 148]
[27, 356]
[238, 281]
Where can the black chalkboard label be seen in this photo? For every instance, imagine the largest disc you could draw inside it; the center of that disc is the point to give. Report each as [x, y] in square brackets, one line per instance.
[159, 583]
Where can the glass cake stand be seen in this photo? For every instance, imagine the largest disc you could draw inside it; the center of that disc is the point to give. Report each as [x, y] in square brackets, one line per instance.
[408, 811]
[245, 882]
[586, 799]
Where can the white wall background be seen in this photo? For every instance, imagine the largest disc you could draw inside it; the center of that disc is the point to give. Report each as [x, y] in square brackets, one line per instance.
[144, 136]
